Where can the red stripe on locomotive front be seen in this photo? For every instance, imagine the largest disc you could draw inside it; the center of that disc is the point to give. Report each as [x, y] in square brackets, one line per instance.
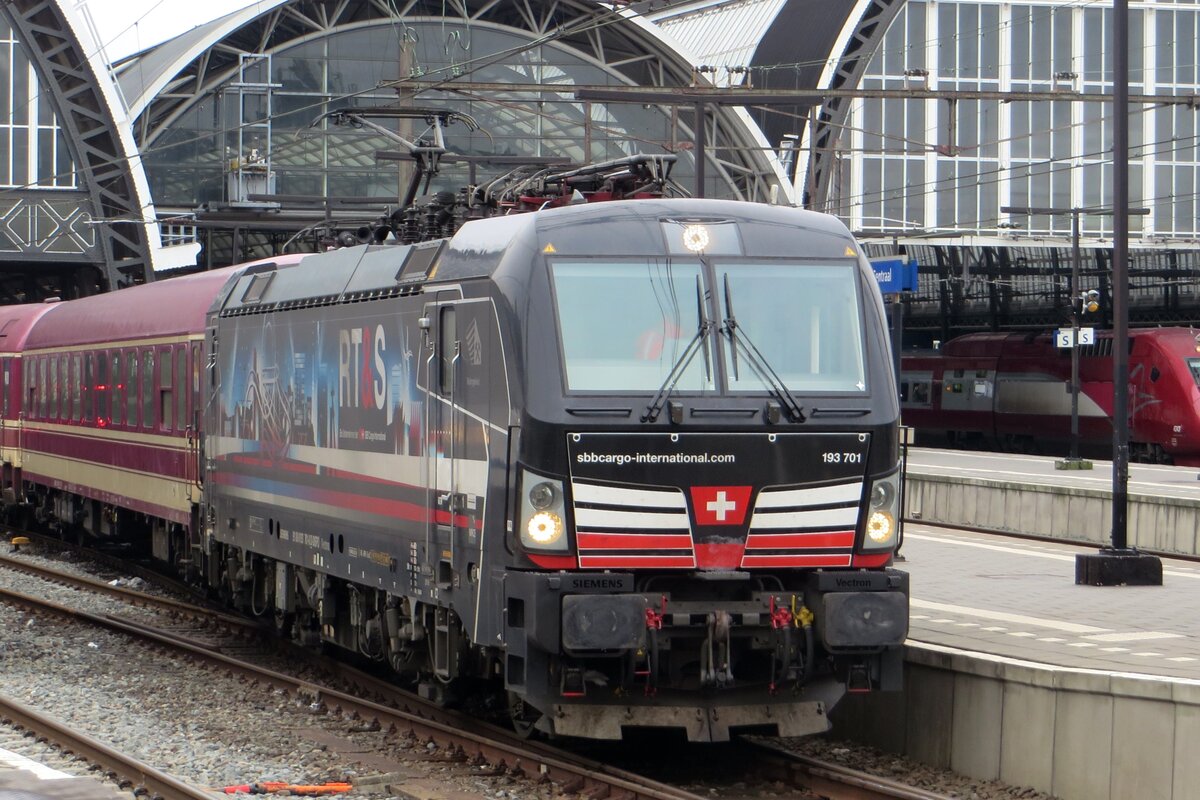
[633, 541]
[775, 541]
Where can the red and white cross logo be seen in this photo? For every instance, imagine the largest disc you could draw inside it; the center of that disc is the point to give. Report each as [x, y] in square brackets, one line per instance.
[720, 505]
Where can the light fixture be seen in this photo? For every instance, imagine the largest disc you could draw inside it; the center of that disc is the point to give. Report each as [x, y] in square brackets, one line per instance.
[695, 237]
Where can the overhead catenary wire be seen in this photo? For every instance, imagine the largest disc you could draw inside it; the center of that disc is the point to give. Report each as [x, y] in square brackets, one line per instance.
[482, 61]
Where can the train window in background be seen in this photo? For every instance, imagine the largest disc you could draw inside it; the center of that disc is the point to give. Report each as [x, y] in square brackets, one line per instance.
[447, 343]
[89, 387]
[6, 369]
[1194, 367]
[181, 395]
[76, 381]
[166, 395]
[53, 410]
[915, 392]
[149, 419]
[131, 388]
[118, 398]
[103, 398]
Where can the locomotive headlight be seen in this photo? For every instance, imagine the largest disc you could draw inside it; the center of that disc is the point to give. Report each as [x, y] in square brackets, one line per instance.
[695, 238]
[883, 510]
[542, 495]
[542, 525]
[544, 528]
[881, 527]
[883, 495]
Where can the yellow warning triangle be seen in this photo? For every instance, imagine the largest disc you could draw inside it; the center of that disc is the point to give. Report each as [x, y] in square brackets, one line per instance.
[850, 251]
[549, 249]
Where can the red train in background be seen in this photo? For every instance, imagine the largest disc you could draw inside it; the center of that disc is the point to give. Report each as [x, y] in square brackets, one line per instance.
[1012, 391]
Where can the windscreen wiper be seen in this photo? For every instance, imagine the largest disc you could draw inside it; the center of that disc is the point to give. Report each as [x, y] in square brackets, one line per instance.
[699, 341]
[759, 364]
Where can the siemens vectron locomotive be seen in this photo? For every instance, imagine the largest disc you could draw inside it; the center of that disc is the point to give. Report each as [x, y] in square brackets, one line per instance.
[627, 464]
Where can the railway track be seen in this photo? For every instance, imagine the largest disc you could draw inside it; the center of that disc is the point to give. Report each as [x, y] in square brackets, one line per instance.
[462, 738]
[826, 779]
[149, 780]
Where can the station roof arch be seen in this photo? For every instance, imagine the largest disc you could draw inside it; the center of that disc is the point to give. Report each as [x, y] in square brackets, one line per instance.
[176, 88]
[76, 215]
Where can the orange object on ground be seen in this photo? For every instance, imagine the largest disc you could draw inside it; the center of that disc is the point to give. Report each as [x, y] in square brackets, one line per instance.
[297, 789]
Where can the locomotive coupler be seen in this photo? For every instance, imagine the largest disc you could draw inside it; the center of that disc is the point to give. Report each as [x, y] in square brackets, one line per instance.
[714, 654]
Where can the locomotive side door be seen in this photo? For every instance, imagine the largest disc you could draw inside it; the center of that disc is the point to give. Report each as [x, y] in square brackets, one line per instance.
[443, 449]
[442, 437]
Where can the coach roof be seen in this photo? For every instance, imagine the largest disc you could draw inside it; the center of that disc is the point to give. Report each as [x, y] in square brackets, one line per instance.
[173, 307]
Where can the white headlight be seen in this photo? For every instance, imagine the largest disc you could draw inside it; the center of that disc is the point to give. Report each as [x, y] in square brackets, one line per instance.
[542, 513]
[883, 494]
[695, 238]
[541, 496]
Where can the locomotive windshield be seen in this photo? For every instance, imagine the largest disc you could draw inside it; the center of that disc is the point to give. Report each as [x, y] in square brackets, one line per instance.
[1194, 366]
[803, 319]
[625, 326]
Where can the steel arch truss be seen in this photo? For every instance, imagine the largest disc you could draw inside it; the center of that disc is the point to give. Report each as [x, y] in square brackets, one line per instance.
[596, 32]
[862, 36]
[102, 163]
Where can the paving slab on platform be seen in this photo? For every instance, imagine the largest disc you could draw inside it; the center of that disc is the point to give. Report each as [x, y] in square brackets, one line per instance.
[1018, 598]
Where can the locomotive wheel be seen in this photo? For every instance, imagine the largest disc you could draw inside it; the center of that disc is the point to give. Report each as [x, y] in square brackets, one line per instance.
[524, 717]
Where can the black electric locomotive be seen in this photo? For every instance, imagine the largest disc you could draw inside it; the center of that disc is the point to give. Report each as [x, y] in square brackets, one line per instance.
[630, 463]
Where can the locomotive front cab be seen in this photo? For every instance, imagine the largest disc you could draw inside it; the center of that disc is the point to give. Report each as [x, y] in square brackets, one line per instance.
[706, 499]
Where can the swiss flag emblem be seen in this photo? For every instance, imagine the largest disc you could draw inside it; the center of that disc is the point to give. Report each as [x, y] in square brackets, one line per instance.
[720, 505]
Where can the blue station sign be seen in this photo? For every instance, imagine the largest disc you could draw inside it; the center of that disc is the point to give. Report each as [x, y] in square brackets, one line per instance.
[895, 274]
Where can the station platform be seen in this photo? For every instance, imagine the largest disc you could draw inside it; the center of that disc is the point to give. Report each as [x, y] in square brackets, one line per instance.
[1152, 480]
[1018, 599]
[1028, 495]
[24, 778]
[1015, 673]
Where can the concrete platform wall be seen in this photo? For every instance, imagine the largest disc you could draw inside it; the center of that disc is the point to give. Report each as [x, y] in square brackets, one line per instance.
[1077, 734]
[1165, 524]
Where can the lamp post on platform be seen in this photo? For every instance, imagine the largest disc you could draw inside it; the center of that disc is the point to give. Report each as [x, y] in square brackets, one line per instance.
[1081, 302]
[1120, 564]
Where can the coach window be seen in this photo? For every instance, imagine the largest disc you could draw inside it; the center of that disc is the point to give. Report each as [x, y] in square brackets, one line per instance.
[89, 384]
[6, 368]
[118, 400]
[103, 398]
[76, 383]
[41, 411]
[53, 410]
[64, 387]
[181, 395]
[197, 360]
[131, 388]
[28, 379]
[148, 412]
[166, 395]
